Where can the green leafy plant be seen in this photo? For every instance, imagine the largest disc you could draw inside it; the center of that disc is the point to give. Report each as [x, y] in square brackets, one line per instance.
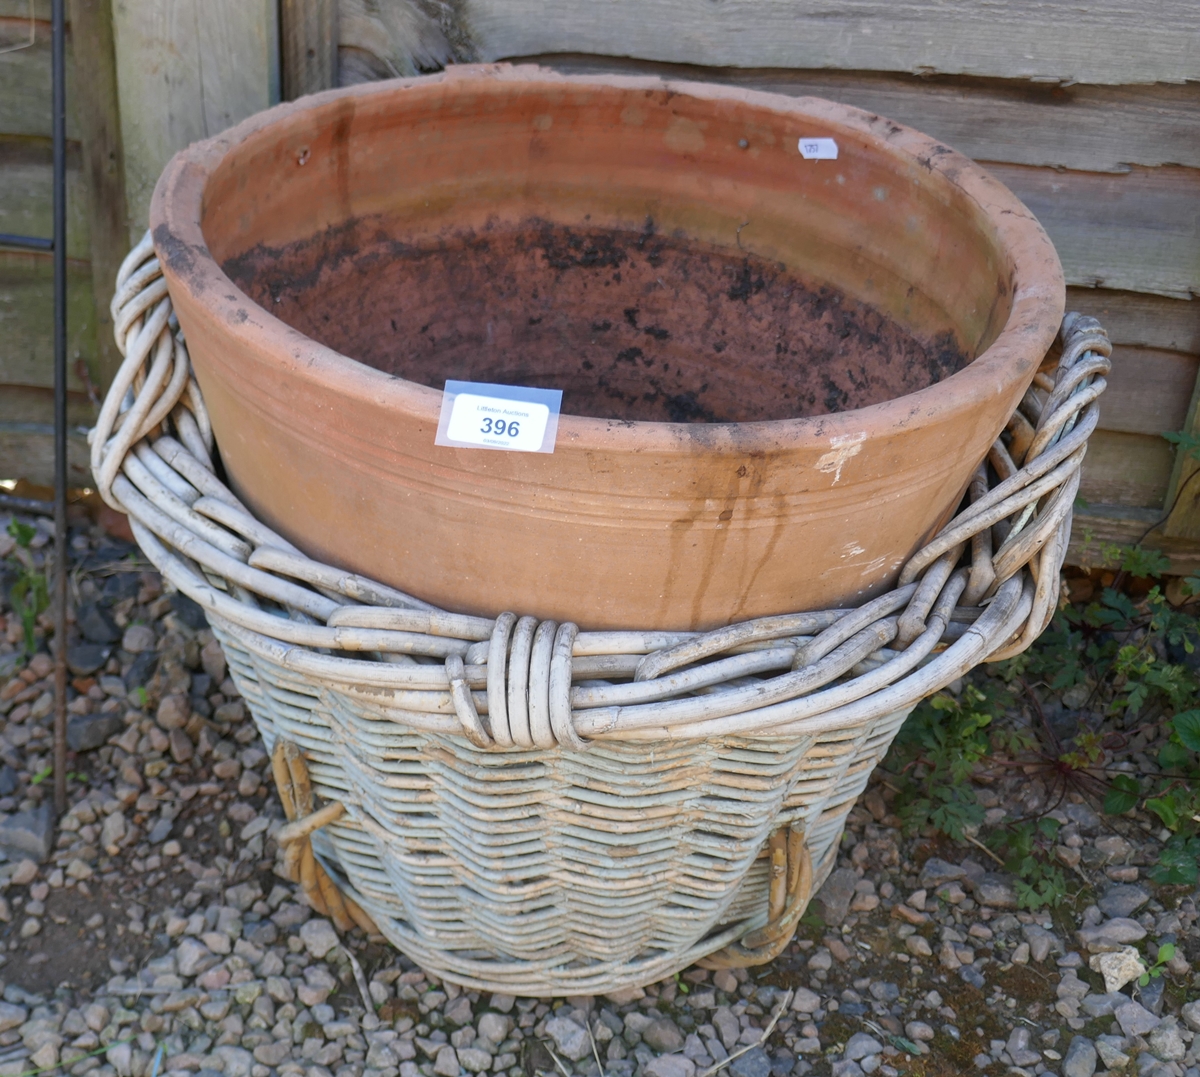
[1105, 671]
[1165, 952]
[41, 775]
[937, 750]
[1027, 849]
[30, 595]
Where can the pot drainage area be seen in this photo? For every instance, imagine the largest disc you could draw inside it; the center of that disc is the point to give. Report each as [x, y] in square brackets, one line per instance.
[634, 326]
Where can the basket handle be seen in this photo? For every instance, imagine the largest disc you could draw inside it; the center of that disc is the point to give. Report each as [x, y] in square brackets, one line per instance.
[300, 863]
[788, 897]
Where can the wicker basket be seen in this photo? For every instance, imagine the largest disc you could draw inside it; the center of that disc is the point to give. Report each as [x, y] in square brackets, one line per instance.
[528, 808]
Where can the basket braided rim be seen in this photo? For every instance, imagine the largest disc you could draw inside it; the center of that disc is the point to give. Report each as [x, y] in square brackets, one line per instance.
[509, 681]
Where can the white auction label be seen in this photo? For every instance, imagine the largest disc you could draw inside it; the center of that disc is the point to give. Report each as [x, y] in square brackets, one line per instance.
[506, 417]
[818, 149]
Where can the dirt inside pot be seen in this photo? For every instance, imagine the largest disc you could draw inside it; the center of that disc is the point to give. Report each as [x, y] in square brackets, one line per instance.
[630, 325]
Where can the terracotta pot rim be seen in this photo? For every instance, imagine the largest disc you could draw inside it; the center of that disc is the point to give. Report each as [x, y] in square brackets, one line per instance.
[176, 213]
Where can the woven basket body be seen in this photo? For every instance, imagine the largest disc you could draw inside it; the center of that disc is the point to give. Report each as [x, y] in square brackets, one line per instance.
[525, 807]
[553, 872]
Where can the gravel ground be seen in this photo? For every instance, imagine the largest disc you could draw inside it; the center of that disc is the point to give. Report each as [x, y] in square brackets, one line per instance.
[150, 916]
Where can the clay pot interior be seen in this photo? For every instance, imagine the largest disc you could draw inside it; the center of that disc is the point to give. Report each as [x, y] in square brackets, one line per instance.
[653, 265]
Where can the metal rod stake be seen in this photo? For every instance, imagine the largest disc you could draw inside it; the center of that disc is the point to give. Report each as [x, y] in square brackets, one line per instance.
[59, 119]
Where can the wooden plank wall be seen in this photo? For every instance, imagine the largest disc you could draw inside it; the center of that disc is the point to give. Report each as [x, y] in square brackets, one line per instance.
[155, 75]
[26, 282]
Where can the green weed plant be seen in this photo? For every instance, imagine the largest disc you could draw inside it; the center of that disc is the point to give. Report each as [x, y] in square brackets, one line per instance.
[1122, 662]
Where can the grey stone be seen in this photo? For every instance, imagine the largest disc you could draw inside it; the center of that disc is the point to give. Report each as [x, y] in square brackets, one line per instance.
[88, 731]
[919, 1031]
[446, 1063]
[271, 1054]
[29, 832]
[1191, 1015]
[97, 624]
[1135, 1019]
[83, 659]
[1110, 1047]
[12, 1016]
[883, 991]
[996, 890]
[238, 1061]
[1118, 967]
[503, 1003]
[160, 831]
[318, 937]
[670, 1066]
[663, 1036]
[937, 871]
[821, 960]
[1071, 986]
[494, 1027]
[1166, 1042]
[727, 1026]
[805, 1001]
[472, 1059]
[1080, 1060]
[459, 1012]
[1151, 996]
[570, 1039]
[192, 957]
[1018, 1048]
[1040, 941]
[860, 1045]
[138, 638]
[8, 781]
[120, 1057]
[1111, 935]
[1122, 900]
[970, 974]
[846, 1068]
[1103, 1005]
[837, 893]
[754, 1063]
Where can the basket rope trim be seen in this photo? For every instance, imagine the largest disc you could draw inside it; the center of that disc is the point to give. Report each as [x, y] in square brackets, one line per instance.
[510, 682]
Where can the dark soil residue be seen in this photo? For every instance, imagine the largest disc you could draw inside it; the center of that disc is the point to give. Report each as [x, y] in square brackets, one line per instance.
[631, 326]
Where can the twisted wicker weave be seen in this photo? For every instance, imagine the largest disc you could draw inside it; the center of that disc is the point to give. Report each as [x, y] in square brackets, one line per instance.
[522, 806]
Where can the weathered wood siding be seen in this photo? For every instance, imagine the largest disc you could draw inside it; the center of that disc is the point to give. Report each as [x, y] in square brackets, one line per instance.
[187, 69]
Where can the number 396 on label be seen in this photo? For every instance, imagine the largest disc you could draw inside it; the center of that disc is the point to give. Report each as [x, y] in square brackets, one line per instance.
[499, 418]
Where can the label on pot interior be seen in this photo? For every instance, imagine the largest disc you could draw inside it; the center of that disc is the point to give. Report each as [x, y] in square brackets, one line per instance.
[818, 149]
[512, 418]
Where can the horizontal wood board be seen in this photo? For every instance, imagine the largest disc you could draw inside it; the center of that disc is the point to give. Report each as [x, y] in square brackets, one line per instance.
[27, 452]
[1126, 469]
[1148, 390]
[1086, 128]
[27, 320]
[1112, 42]
[1141, 320]
[1098, 526]
[1138, 232]
[25, 82]
[27, 193]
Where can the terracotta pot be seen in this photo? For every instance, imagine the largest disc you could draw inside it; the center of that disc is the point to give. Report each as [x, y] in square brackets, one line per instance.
[486, 223]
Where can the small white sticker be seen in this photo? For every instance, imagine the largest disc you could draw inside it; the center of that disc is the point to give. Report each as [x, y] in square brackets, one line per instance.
[818, 149]
[511, 418]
